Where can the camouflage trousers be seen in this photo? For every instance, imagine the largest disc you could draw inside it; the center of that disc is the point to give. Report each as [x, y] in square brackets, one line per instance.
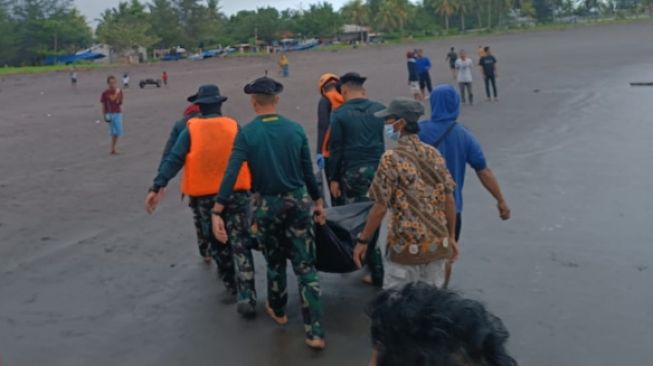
[208, 244]
[237, 222]
[284, 227]
[356, 183]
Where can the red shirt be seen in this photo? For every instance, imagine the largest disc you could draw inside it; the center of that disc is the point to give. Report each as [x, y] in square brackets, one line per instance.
[111, 101]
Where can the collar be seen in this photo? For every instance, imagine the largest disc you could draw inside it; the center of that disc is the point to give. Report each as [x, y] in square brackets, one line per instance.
[268, 118]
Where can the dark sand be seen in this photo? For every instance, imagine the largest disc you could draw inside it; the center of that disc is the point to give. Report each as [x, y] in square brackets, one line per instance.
[88, 278]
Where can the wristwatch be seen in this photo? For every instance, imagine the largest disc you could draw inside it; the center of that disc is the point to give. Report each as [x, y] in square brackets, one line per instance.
[361, 241]
[216, 213]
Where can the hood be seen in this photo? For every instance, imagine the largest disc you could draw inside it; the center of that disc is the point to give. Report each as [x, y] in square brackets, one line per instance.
[445, 104]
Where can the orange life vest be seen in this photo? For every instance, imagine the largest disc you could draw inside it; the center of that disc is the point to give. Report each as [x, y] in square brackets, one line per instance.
[211, 141]
[336, 101]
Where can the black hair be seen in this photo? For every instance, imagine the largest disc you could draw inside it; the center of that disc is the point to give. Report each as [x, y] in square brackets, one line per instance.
[422, 325]
[412, 127]
[487, 48]
[109, 78]
[354, 85]
[210, 109]
[453, 48]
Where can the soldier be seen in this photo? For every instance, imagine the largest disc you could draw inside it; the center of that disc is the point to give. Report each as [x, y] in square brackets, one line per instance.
[277, 152]
[356, 147]
[203, 149]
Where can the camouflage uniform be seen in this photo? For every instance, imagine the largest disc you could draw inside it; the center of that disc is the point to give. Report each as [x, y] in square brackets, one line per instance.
[236, 216]
[285, 227]
[208, 244]
[356, 183]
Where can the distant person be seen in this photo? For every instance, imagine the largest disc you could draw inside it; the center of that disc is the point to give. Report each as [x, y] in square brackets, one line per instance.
[356, 147]
[452, 56]
[424, 70]
[202, 150]
[111, 101]
[413, 183]
[488, 65]
[481, 51]
[284, 65]
[125, 81]
[73, 77]
[330, 100]
[413, 75]
[459, 148]
[288, 201]
[164, 77]
[423, 325]
[464, 66]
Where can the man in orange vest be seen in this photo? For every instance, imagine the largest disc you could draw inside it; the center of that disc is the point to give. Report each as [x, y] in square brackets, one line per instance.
[330, 100]
[203, 150]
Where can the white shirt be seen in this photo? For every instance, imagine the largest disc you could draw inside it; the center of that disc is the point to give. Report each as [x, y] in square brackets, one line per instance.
[464, 70]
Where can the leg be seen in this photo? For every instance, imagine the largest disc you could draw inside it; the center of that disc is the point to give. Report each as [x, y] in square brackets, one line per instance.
[202, 244]
[356, 182]
[429, 83]
[494, 86]
[269, 222]
[221, 252]
[115, 129]
[236, 216]
[486, 79]
[434, 273]
[462, 92]
[300, 235]
[114, 142]
[449, 266]
[471, 95]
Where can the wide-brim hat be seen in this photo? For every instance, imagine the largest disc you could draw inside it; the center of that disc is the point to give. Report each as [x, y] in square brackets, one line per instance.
[265, 86]
[207, 94]
[407, 109]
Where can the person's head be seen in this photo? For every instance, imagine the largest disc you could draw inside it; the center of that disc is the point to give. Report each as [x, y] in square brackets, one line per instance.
[327, 82]
[487, 50]
[112, 82]
[419, 52]
[463, 54]
[423, 325]
[264, 94]
[401, 117]
[209, 99]
[352, 86]
[445, 104]
[410, 54]
[453, 49]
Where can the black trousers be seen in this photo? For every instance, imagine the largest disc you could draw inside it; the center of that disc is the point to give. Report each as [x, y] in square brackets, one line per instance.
[425, 82]
[490, 79]
[468, 86]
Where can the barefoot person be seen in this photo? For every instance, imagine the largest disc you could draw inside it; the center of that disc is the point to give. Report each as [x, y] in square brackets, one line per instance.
[278, 155]
[413, 183]
[111, 100]
[202, 150]
[459, 148]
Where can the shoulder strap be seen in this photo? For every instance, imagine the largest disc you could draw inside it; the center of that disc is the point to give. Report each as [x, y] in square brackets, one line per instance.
[445, 134]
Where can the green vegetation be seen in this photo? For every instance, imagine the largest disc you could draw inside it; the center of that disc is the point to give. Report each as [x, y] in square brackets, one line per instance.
[33, 29]
[12, 70]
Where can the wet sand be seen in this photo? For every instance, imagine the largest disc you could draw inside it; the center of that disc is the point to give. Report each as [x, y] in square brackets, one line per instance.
[87, 277]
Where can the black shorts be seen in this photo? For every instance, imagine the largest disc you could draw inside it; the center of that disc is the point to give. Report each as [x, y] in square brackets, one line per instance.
[452, 66]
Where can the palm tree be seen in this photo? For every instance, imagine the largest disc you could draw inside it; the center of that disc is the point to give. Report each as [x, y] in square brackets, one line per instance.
[462, 10]
[446, 9]
[393, 15]
[401, 10]
[356, 12]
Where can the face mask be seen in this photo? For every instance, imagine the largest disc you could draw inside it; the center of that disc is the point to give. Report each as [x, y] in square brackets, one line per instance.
[391, 133]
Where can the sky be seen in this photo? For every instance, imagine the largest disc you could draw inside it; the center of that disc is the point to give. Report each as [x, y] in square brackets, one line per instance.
[92, 8]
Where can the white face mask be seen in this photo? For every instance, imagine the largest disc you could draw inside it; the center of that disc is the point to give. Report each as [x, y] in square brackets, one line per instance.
[391, 133]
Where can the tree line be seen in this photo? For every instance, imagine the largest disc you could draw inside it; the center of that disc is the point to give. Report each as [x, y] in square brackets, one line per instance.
[32, 29]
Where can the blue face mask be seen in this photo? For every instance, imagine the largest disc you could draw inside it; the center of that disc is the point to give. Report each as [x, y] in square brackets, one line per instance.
[391, 133]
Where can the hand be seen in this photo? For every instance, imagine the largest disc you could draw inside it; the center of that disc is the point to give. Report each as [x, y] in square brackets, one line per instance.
[334, 187]
[219, 229]
[504, 210]
[359, 254]
[455, 250]
[152, 200]
[319, 215]
[320, 161]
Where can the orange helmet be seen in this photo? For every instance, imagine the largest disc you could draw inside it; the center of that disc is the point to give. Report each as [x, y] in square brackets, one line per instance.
[325, 79]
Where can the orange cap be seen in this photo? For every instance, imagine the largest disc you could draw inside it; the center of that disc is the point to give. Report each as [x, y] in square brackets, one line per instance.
[324, 80]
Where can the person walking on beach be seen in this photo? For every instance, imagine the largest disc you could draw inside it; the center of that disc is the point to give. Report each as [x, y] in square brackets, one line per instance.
[452, 56]
[278, 155]
[330, 100]
[413, 75]
[464, 66]
[488, 65]
[414, 184]
[356, 147]
[164, 77]
[111, 101]
[284, 65]
[125, 81]
[424, 71]
[73, 77]
[460, 148]
[202, 149]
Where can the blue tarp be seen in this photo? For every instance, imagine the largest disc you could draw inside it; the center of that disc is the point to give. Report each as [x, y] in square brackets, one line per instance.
[69, 59]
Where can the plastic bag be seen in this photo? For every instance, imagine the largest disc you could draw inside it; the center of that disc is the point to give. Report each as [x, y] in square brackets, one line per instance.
[335, 241]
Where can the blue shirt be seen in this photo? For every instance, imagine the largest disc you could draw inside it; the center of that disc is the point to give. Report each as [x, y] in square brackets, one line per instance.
[423, 65]
[458, 149]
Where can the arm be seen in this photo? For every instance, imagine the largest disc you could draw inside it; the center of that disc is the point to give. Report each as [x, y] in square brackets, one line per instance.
[323, 114]
[336, 147]
[489, 181]
[178, 127]
[173, 162]
[238, 157]
[428, 64]
[307, 167]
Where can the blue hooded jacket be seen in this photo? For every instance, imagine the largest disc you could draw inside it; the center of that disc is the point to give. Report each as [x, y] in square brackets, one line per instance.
[460, 147]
